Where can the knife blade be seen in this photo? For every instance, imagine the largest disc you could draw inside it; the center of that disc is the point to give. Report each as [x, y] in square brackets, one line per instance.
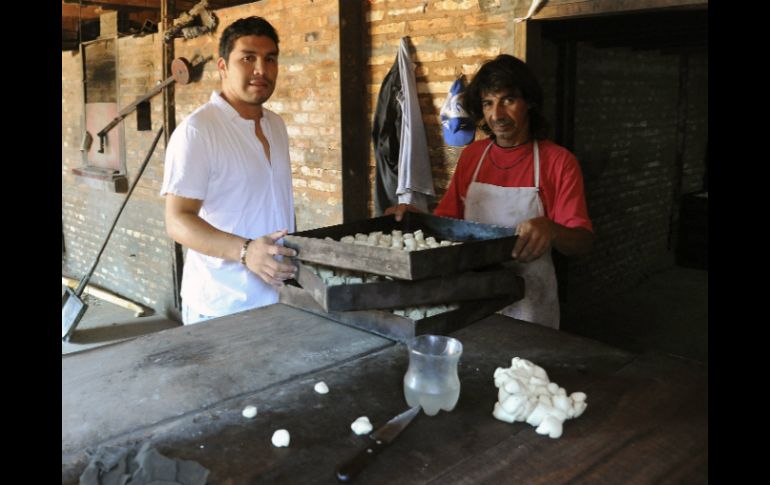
[377, 441]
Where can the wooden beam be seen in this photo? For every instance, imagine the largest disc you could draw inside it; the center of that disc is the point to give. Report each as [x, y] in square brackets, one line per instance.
[168, 12]
[152, 4]
[585, 8]
[76, 11]
[139, 310]
[520, 40]
[566, 86]
[681, 145]
[116, 4]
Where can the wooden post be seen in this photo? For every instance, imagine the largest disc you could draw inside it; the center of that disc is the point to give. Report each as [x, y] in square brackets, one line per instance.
[355, 133]
[681, 139]
[566, 82]
[167, 13]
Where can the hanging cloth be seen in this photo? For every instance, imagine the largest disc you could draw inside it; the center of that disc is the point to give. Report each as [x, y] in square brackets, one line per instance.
[409, 167]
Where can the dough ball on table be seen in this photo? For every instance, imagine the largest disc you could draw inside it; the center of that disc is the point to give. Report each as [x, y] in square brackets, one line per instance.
[281, 438]
[361, 426]
[249, 412]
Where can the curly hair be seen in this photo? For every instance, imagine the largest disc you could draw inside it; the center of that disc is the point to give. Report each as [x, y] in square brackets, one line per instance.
[242, 27]
[506, 73]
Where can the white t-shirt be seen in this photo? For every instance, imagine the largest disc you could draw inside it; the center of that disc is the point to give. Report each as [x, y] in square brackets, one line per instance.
[215, 156]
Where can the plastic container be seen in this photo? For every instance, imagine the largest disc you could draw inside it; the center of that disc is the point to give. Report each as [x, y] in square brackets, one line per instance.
[431, 380]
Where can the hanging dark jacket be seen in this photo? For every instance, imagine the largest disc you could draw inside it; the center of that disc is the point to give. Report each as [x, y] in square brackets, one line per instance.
[385, 138]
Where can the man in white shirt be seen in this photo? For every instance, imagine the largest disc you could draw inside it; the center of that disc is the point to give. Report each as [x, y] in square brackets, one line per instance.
[227, 183]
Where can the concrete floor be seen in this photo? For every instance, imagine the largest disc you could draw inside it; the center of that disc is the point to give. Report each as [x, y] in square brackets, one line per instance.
[666, 313]
[105, 323]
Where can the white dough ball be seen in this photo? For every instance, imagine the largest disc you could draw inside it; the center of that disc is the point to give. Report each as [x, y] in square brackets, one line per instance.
[321, 387]
[249, 411]
[579, 407]
[361, 426]
[550, 426]
[499, 413]
[281, 438]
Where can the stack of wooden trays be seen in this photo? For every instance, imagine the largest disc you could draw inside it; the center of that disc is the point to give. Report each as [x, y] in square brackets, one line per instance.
[468, 276]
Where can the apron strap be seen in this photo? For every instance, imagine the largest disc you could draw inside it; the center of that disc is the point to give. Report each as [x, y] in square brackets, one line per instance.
[481, 160]
[537, 163]
[537, 167]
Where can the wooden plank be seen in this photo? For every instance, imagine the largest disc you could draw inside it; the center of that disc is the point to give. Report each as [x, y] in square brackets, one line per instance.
[236, 450]
[566, 93]
[139, 4]
[139, 311]
[110, 391]
[355, 127]
[482, 245]
[585, 8]
[519, 40]
[392, 326]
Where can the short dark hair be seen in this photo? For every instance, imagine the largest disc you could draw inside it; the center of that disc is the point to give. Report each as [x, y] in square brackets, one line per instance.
[241, 28]
[506, 73]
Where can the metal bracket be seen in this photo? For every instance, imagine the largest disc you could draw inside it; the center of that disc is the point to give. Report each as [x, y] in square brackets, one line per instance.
[180, 69]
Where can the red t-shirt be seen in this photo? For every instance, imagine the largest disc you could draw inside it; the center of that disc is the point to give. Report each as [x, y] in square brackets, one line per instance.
[561, 181]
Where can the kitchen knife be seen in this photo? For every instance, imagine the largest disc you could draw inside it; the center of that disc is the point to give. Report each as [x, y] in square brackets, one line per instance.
[377, 441]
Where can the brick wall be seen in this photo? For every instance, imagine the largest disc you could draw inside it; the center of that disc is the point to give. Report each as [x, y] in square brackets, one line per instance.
[449, 38]
[137, 261]
[624, 135]
[625, 139]
[307, 96]
[625, 125]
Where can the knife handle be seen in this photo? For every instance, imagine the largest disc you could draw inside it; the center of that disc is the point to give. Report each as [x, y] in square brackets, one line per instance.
[351, 468]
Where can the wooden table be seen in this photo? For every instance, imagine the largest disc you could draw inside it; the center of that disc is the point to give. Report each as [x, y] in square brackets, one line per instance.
[185, 388]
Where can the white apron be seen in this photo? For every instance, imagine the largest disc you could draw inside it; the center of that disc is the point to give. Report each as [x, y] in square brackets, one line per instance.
[510, 206]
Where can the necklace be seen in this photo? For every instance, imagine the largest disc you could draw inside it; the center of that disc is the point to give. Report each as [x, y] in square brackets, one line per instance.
[515, 162]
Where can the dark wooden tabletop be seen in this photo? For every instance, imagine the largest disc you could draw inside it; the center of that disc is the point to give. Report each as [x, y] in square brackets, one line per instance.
[184, 389]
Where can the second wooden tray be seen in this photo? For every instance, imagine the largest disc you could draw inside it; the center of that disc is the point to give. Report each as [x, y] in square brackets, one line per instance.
[471, 285]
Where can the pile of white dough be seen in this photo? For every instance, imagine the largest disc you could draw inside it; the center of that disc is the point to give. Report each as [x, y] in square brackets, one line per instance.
[397, 240]
[526, 394]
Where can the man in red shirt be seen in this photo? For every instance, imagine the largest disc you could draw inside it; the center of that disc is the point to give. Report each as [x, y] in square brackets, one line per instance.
[517, 178]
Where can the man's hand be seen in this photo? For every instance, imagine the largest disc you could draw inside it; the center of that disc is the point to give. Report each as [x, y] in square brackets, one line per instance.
[400, 209]
[538, 235]
[262, 258]
[535, 238]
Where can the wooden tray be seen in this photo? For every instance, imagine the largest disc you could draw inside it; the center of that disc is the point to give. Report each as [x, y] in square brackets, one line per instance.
[482, 245]
[488, 283]
[395, 327]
